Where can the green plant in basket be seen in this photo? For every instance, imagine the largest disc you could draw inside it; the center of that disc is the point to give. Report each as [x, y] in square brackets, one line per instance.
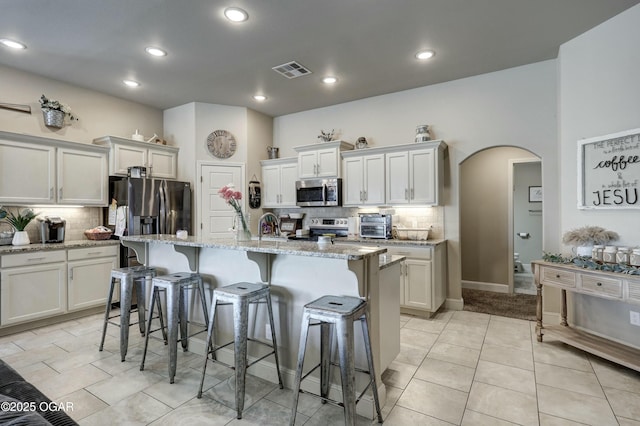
[18, 221]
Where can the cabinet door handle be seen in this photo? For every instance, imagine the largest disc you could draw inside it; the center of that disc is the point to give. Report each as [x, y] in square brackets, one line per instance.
[94, 253]
[406, 194]
[51, 193]
[366, 196]
[60, 194]
[361, 196]
[35, 259]
[412, 197]
[71, 273]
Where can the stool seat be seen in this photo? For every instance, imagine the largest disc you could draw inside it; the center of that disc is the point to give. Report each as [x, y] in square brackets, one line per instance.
[240, 295]
[129, 277]
[174, 286]
[339, 313]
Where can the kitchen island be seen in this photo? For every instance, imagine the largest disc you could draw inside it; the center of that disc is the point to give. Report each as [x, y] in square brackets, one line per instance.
[298, 273]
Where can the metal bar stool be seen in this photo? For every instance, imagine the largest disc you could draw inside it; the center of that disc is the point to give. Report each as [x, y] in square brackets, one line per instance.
[175, 286]
[240, 295]
[339, 312]
[130, 277]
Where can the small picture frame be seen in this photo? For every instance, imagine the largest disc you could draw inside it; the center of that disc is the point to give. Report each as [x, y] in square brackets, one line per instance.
[535, 194]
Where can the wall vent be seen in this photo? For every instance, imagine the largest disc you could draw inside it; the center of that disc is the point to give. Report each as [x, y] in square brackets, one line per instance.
[291, 70]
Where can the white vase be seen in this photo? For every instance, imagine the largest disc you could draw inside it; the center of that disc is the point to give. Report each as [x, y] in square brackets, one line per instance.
[20, 238]
[584, 250]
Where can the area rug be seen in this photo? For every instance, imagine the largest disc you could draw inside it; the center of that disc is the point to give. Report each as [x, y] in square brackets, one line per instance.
[522, 306]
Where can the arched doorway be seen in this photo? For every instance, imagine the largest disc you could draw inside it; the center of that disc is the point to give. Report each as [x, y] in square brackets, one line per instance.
[487, 205]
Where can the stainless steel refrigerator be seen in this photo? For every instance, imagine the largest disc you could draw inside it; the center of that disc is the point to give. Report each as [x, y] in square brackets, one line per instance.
[150, 206]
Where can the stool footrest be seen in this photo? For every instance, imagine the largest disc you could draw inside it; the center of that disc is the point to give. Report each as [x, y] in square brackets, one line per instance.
[329, 400]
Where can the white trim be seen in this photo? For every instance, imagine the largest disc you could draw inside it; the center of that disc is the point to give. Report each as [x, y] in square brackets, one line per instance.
[478, 285]
[454, 304]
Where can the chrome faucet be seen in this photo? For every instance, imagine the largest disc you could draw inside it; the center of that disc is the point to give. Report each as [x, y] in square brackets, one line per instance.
[268, 217]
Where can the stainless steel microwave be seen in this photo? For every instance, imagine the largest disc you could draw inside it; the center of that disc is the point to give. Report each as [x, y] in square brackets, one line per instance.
[319, 192]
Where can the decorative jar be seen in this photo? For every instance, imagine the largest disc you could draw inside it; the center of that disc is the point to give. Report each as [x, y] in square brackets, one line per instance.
[609, 254]
[422, 133]
[596, 252]
[622, 255]
[634, 258]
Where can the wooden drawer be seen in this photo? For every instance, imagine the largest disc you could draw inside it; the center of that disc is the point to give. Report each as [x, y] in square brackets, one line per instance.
[600, 286]
[557, 277]
[93, 252]
[633, 291]
[33, 258]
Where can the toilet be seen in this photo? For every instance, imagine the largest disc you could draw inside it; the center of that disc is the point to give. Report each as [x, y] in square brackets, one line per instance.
[517, 265]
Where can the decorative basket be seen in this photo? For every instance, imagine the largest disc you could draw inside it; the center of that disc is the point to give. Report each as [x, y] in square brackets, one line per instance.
[53, 118]
[98, 235]
[419, 234]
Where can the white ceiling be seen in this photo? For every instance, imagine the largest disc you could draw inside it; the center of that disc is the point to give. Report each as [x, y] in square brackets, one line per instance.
[368, 44]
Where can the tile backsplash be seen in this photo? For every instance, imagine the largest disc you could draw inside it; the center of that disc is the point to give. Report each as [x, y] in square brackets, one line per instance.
[79, 219]
[408, 217]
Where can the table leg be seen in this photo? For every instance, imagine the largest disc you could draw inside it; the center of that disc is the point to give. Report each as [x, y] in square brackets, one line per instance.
[563, 308]
[538, 309]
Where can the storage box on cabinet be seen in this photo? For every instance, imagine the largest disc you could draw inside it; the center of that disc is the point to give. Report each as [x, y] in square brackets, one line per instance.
[46, 171]
[89, 272]
[32, 286]
[161, 161]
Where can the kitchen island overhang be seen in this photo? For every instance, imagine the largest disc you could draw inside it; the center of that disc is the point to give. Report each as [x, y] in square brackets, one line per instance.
[298, 273]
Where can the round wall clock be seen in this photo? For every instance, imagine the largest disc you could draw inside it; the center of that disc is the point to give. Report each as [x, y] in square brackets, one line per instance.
[221, 144]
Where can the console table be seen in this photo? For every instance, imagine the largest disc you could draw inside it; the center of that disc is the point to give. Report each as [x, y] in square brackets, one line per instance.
[607, 285]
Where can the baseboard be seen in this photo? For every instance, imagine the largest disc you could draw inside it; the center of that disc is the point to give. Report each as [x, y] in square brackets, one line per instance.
[454, 304]
[267, 371]
[477, 285]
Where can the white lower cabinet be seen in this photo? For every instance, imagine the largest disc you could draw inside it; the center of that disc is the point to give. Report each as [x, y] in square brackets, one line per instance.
[42, 284]
[423, 284]
[32, 286]
[89, 271]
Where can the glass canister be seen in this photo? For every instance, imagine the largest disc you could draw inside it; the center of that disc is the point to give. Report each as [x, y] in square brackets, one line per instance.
[622, 255]
[609, 254]
[634, 258]
[422, 133]
[596, 252]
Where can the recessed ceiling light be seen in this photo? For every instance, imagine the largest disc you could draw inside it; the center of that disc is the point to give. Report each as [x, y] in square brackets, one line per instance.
[260, 98]
[329, 80]
[131, 83]
[235, 14]
[155, 51]
[425, 54]
[13, 44]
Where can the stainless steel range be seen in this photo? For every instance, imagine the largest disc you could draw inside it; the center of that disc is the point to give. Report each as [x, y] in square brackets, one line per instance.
[339, 226]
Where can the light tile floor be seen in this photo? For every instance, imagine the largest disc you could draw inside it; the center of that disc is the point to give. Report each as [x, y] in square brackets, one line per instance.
[459, 368]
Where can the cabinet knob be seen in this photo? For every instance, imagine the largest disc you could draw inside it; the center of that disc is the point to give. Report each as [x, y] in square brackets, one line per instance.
[557, 275]
[599, 284]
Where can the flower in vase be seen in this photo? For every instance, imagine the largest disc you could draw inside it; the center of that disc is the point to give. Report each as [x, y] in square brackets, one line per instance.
[233, 197]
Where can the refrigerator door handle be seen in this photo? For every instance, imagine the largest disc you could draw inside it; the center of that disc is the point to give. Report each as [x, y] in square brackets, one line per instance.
[163, 207]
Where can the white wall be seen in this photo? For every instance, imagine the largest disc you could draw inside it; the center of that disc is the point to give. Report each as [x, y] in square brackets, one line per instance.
[599, 92]
[99, 114]
[512, 107]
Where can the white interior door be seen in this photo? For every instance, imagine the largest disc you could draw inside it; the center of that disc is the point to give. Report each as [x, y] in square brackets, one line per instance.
[216, 216]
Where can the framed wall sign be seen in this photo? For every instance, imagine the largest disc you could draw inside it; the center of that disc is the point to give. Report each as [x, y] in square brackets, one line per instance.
[535, 194]
[609, 171]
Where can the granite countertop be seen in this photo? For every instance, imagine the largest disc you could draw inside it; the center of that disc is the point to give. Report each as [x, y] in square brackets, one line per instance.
[298, 248]
[387, 260]
[393, 242]
[9, 249]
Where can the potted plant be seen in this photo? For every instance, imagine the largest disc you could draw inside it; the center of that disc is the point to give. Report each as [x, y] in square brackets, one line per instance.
[19, 222]
[585, 237]
[54, 112]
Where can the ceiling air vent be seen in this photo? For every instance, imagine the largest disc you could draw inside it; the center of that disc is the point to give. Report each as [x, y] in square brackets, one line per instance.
[291, 70]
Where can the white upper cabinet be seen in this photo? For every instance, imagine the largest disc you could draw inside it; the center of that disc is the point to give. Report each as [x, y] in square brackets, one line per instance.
[414, 174]
[161, 161]
[320, 160]
[279, 182]
[36, 170]
[363, 182]
[82, 177]
[27, 173]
